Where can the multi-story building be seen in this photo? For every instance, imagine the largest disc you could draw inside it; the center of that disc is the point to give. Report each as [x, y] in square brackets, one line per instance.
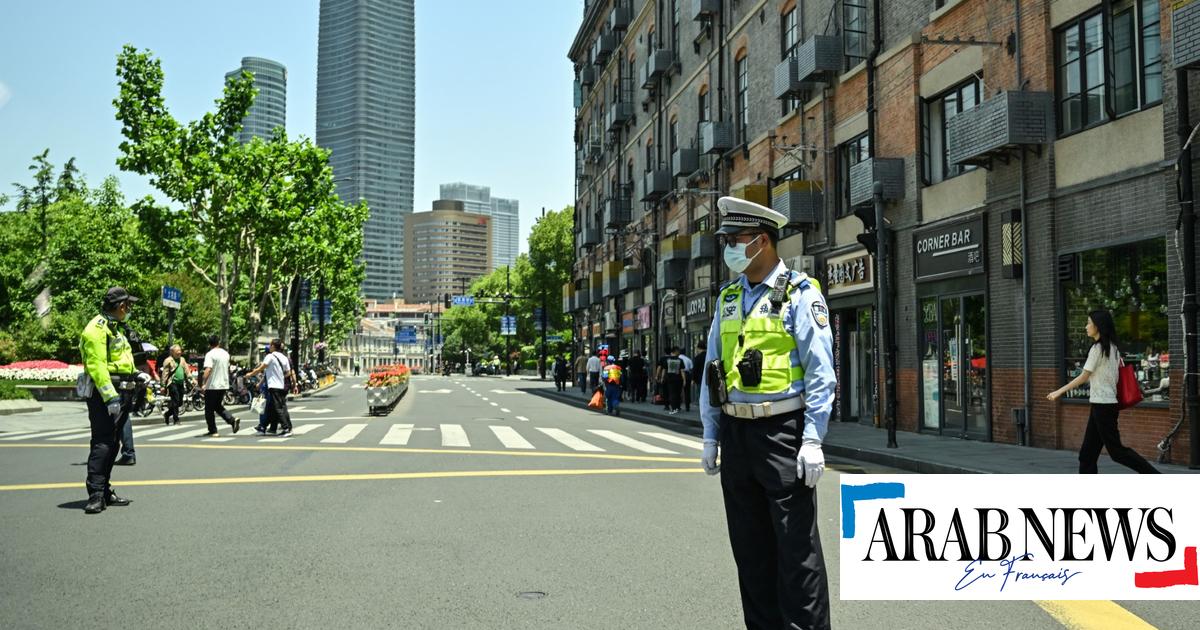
[375, 341]
[269, 109]
[1023, 151]
[506, 224]
[445, 250]
[366, 104]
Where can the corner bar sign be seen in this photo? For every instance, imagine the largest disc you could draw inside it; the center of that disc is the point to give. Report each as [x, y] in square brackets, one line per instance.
[947, 251]
[172, 297]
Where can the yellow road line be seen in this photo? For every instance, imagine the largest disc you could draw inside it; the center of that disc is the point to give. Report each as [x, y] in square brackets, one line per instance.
[1093, 615]
[380, 449]
[360, 477]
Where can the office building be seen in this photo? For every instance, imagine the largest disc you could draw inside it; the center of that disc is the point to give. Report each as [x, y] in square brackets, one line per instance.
[269, 109]
[505, 214]
[366, 103]
[445, 250]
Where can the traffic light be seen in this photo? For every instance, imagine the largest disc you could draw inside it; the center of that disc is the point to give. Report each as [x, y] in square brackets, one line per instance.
[866, 214]
[447, 300]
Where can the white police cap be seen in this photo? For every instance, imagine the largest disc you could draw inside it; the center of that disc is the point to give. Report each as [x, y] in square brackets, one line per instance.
[738, 215]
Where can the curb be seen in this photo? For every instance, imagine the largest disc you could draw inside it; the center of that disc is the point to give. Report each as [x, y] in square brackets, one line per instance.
[10, 407]
[831, 447]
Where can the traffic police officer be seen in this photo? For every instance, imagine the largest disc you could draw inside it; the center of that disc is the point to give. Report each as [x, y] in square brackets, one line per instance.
[765, 403]
[108, 360]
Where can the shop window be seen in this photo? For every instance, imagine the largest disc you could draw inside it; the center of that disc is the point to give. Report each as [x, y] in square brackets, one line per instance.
[1106, 69]
[1129, 281]
[935, 114]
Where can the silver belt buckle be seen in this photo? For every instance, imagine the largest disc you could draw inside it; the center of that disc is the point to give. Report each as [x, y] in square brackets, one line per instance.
[743, 410]
[765, 408]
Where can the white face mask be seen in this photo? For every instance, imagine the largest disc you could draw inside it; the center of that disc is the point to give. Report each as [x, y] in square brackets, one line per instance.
[735, 256]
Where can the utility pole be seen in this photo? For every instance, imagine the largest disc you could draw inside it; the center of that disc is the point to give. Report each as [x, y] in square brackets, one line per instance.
[296, 322]
[507, 312]
[1187, 221]
[321, 325]
[886, 336]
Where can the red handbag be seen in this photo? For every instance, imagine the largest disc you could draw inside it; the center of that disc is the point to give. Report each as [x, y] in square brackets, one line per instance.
[1129, 393]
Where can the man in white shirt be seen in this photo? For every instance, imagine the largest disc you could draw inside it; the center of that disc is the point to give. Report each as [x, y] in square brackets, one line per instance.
[593, 368]
[688, 377]
[214, 383]
[277, 368]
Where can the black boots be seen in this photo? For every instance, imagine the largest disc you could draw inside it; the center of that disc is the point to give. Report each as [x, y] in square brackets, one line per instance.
[95, 504]
[112, 499]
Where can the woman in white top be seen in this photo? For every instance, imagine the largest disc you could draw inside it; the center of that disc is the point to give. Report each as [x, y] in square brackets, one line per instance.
[1100, 371]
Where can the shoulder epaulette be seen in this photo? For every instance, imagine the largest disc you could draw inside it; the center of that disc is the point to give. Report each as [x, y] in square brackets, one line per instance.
[727, 284]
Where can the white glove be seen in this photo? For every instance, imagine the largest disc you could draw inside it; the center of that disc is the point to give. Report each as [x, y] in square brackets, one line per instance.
[810, 463]
[114, 409]
[708, 459]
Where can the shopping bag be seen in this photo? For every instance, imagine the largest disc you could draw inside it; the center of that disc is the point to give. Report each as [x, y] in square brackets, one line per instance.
[258, 405]
[597, 401]
[1129, 393]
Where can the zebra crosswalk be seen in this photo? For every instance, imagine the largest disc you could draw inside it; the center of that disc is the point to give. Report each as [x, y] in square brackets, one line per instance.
[434, 435]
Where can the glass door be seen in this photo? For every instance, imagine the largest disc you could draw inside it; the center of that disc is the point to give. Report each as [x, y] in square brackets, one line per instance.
[954, 366]
[863, 361]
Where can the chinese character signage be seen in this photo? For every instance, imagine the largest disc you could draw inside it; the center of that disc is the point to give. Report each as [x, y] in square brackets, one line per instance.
[643, 318]
[849, 273]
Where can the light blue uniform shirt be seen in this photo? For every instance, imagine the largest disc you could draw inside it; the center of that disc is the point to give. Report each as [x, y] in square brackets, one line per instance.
[814, 352]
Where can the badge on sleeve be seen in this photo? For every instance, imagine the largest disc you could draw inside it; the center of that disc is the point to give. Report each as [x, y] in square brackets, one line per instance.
[820, 314]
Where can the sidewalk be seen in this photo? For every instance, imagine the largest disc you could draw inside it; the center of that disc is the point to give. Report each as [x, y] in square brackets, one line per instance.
[71, 415]
[917, 452]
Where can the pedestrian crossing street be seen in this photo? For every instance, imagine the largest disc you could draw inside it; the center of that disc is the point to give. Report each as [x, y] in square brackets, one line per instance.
[445, 435]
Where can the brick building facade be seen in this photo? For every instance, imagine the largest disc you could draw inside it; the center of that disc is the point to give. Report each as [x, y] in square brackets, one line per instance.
[1031, 160]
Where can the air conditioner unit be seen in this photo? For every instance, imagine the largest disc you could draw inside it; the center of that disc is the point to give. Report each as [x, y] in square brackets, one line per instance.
[804, 264]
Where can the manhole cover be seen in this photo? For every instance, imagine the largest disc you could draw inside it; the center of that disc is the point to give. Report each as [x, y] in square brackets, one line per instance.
[531, 595]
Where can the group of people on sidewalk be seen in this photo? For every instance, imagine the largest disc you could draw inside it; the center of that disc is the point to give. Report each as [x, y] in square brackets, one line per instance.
[672, 377]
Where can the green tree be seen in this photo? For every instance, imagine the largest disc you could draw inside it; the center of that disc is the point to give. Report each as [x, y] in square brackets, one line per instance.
[38, 196]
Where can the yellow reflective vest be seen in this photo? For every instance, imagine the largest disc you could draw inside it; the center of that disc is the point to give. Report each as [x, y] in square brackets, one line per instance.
[760, 329]
[105, 350]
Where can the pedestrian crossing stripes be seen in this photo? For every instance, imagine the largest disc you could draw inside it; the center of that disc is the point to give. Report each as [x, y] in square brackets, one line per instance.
[451, 436]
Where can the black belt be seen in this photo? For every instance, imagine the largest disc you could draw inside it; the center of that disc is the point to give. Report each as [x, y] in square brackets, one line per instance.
[124, 381]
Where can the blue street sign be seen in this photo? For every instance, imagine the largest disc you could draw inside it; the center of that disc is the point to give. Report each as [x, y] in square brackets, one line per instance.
[463, 300]
[554, 339]
[316, 311]
[538, 321]
[406, 335]
[508, 325]
[171, 297]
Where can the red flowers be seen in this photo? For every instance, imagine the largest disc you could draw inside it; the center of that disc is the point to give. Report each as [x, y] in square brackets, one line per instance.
[388, 375]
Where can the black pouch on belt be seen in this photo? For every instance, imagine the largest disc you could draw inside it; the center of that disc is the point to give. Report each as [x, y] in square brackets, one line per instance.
[750, 368]
[717, 393]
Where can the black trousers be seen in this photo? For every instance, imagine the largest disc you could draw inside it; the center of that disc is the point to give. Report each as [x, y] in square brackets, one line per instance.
[1102, 432]
[560, 381]
[772, 519]
[175, 401]
[639, 386]
[687, 391]
[105, 436]
[214, 405]
[277, 413]
[673, 390]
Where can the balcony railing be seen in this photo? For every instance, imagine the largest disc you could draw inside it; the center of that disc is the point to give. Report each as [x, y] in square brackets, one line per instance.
[716, 137]
[656, 184]
[887, 171]
[801, 201]
[684, 162]
[618, 210]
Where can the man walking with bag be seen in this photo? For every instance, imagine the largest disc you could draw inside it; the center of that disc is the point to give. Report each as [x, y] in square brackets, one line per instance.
[278, 371]
[175, 376]
[214, 384]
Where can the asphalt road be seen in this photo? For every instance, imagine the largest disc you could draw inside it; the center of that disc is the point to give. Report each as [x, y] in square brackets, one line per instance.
[472, 505]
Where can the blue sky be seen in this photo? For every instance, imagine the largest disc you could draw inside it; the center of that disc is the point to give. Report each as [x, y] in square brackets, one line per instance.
[493, 84]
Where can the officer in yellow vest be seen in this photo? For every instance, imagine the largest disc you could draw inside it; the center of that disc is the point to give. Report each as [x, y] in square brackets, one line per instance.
[108, 361]
[765, 402]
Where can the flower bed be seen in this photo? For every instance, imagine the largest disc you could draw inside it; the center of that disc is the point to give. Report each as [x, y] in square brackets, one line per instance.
[40, 371]
[385, 386]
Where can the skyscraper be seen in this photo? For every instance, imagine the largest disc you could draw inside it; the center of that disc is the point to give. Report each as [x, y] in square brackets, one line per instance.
[506, 236]
[366, 115]
[270, 105]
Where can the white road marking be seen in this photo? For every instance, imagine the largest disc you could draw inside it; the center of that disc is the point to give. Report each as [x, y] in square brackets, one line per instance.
[625, 440]
[485, 399]
[494, 404]
[217, 439]
[505, 410]
[506, 391]
[453, 435]
[675, 439]
[433, 391]
[16, 433]
[307, 410]
[345, 434]
[74, 436]
[570, 441]
[183, 435]
[40, 434]
[522, 418]
[509, 437]
[137, 433]
[296, 408]
[297, 429]
[398, 434]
